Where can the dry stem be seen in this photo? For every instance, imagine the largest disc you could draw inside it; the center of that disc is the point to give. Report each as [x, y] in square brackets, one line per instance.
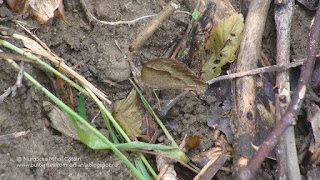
[289, 117]
[156, 22]
[244, 123]
[288, 166]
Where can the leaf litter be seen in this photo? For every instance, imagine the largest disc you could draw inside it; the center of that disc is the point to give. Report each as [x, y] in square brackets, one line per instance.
[126, 112]
[314, 132]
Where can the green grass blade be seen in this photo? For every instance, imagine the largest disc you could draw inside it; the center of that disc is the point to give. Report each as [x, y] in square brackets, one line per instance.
[146, 163]
[82, 106]
[147, 105]
[103, 109]
[79, 118]
[112, 135]
[140, 166]
[32, 57]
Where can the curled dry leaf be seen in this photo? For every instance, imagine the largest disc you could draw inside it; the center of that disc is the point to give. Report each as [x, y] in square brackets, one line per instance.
[165, 73]
[223, 43]
[41, 10]
[126, 112]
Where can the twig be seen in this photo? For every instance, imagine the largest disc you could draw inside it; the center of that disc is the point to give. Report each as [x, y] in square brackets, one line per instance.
[153, 25]
[289, 117]
[19, 80]
[211, 168]
[287, 158]
[13, 135]
[257, 71]
[44, 45]
[168, 105]
[5, 94]
[244, 122]
[165, 166]
[13, 89]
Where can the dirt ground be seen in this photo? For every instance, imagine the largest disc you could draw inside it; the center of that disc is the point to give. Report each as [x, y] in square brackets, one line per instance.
[92, 51]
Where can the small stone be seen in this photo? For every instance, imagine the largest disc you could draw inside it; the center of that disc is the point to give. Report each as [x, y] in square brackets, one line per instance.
[210, 99]
[113, 68]
[161, 138]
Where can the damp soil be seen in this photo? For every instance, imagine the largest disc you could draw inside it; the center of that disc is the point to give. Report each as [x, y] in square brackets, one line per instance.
[100, 54]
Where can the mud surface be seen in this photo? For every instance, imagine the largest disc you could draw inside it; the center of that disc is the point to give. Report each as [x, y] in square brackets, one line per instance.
[100, 54]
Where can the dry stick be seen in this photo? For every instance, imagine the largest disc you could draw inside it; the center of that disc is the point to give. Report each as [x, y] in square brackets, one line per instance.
[211, 168]
[168, 105]
[153, 25]
[287, 158]
[282, 16]
[257, 71]
[244, 123]
[13, 135]
[289, 117]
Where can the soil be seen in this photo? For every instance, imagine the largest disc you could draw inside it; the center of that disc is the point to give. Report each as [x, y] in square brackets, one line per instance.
[91, 49]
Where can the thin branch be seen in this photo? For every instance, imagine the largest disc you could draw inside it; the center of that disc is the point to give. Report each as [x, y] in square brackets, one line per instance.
[289, 117]
[13, 135]
[257, 71]
[287, 158]
[152, 26]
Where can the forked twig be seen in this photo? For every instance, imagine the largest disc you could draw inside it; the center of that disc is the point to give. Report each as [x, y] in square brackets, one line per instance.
[289, 117]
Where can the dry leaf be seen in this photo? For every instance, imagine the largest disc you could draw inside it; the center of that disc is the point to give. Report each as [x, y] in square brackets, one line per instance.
[149, 125]
[223, 43]
[35, 47]
[41, 10]
[126, 113]
[18, 6]
[165, 73]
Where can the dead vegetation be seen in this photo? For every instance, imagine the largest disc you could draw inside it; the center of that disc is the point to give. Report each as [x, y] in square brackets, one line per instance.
[215, 86]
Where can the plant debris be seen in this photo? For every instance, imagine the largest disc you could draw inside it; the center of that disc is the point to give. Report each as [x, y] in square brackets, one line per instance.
[126, 112]
[223, 43]
[41, 10]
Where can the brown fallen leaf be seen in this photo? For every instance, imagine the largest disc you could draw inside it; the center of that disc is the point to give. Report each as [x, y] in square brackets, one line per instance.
[41, 10]
[165, 73]
[126, 112]
[149, 125]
